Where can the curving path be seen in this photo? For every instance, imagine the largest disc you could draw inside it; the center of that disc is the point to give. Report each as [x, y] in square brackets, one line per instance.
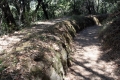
[86, 62]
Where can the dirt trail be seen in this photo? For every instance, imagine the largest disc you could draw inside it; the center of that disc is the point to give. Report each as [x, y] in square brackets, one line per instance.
[8, 41]
[86, 63]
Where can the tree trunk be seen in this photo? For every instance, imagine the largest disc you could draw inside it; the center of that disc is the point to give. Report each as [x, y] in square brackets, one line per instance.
[93, 8]
[43, 7]
[45, 12]
[23, 11]
[74, 10]
[98, 6]
[88, 7]
[8, 15]
[28, 6]
[39, 2]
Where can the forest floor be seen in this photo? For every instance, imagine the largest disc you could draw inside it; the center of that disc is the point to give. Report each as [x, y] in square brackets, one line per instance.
[89, 61]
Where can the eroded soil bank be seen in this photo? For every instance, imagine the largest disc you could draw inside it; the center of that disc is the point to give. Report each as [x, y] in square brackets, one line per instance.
[87, 62]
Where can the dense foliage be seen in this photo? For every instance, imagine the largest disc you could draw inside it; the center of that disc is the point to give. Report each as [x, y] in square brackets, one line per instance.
[14, 14]
[110, 34]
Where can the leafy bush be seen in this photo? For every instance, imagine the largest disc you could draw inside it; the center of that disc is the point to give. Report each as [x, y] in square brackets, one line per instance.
[110, 34]
[5, 29]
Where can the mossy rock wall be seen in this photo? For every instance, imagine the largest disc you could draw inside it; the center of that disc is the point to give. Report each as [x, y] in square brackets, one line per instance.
[66, 31]
[47, 55]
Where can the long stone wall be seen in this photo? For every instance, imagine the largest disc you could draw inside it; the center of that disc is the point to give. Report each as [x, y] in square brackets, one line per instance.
[66, 31]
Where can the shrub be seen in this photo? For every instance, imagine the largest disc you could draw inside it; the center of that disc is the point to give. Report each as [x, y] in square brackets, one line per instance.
[110, 35]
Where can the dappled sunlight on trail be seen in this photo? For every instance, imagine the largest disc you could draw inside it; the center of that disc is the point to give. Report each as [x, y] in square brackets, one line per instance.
[86, 64]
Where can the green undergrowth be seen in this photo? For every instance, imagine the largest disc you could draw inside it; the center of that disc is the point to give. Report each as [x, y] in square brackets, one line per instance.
[110, 35]
[44, 54]
[1, 67]
[110, 39]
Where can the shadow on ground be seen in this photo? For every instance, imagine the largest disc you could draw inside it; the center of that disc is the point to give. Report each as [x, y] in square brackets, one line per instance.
[112, 56]
[89, 58]
[101, 76]
[88, 37]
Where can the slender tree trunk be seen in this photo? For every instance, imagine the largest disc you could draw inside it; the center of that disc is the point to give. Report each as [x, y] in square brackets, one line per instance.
[44, 9]
[17, 6]
[28, 6]
[74, 10]
[23, 11]
[39, 2]
[88, 7]
[98, 6]
[93, 8]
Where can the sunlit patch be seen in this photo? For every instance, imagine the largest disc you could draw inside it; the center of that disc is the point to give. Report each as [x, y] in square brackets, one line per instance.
[7, 40]
[91, 52]
[45, 23]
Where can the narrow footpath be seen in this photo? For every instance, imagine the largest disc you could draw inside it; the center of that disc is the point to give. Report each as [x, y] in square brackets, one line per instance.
[86, 62]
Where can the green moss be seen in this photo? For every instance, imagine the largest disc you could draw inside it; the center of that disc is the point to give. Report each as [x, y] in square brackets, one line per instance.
[36, 71]
[2, 67]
